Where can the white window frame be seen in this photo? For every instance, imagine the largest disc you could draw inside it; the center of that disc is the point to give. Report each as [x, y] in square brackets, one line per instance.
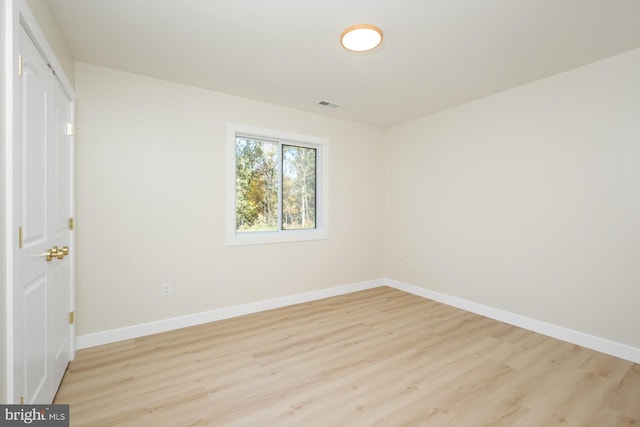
[321, 232]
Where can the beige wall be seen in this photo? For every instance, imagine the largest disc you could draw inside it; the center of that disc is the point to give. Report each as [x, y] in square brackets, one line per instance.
[49, 26]
[151, 203]
[527, 201]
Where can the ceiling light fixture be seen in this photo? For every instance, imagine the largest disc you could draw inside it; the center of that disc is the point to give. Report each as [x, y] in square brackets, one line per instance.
[361, 38]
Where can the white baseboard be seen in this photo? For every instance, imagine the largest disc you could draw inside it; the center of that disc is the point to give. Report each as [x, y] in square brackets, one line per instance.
[140, 330]
[603, 345]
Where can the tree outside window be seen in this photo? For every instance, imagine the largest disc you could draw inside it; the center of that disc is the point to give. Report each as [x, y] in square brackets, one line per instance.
[275, 185]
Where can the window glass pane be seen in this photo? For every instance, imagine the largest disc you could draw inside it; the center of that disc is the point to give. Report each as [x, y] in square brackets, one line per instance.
[256, 185]
[298, 188]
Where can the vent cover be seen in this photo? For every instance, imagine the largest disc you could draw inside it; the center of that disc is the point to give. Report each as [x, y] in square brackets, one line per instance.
[328, 104]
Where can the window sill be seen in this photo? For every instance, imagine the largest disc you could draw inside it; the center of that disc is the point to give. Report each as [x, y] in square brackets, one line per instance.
[258, 238]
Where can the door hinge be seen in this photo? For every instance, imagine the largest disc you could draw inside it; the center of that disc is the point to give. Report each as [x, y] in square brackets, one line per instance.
[69, 129]
[72, 317]
[71, 224]
[22, 400]
[20, 237]
[19, 65]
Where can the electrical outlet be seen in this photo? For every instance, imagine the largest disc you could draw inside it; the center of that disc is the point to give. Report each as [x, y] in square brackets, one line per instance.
[166, 289]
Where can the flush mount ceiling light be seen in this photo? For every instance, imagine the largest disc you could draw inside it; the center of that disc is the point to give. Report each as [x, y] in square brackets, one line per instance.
[361, 38]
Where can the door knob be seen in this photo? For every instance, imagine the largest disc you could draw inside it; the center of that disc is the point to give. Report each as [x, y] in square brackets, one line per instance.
[59, 253]
[62, 252]
[51, 253]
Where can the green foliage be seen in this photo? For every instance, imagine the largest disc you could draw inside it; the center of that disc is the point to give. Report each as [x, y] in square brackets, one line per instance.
[298, 188]
[257, 178]
[256, 185]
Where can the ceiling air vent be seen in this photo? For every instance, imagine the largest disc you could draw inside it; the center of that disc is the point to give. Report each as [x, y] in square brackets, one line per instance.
[328, 104]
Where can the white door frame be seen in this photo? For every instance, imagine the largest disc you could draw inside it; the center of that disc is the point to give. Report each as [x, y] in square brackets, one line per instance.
[17, 14]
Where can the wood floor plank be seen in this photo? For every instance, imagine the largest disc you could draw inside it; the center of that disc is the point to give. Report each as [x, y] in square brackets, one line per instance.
[377, 357]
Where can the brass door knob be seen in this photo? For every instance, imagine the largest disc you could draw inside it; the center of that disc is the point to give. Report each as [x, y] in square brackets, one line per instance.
[51, 253]
[56, 252]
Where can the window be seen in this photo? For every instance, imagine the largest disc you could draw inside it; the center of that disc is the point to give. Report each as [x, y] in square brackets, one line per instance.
[277, 186]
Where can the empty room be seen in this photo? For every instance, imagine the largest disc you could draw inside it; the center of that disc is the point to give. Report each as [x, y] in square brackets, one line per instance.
[334, 213]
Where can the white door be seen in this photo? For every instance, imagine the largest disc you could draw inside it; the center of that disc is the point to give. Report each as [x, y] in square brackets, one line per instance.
[42, 209]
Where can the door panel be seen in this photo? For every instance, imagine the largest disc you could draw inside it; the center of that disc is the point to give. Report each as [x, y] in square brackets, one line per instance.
[35, 342]
[59, 321]
[34, 192]
[62, 153]
[60, 298]
[43, 205]
[35, 185]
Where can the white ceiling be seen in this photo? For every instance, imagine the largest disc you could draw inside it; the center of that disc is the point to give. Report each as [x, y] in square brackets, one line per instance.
[436, 53]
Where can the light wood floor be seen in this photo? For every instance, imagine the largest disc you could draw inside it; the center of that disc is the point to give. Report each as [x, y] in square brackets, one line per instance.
[380, 357]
